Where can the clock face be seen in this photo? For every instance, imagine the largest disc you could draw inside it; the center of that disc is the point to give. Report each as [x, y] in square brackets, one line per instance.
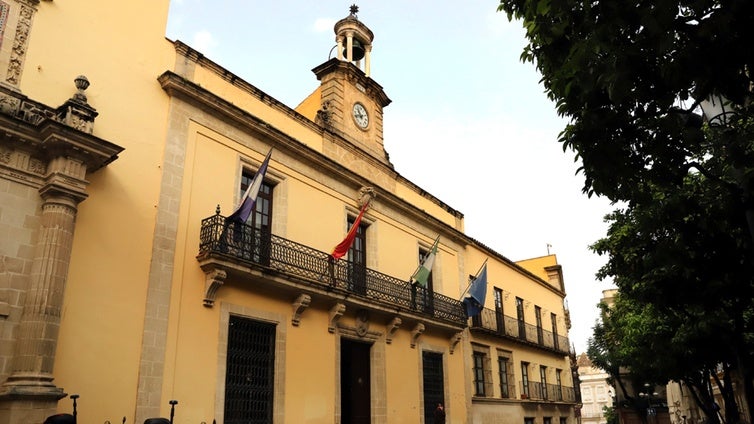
[360, 115]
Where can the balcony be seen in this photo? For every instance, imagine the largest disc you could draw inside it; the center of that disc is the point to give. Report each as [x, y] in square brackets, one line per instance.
[537, 391]
[494, 323]
[240, 248]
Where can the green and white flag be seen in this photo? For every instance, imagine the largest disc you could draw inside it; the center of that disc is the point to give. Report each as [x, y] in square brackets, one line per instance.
[421, 275]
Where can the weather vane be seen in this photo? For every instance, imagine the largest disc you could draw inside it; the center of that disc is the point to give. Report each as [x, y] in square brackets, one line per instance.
[354, 10]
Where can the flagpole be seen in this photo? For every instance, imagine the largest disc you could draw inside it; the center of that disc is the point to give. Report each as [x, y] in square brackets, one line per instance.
[472, 281]
[418, 267]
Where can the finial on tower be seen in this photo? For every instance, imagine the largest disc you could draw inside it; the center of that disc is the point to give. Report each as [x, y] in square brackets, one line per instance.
[354, 10]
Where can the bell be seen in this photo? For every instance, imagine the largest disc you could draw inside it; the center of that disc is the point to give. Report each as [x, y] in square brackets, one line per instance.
[357, 48]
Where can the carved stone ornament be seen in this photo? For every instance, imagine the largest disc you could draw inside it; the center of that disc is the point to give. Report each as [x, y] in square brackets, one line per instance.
[324, 114]
[336, 312]
[455, 340]
[20, 43]
[213, 280]
[299, 306]
[366, 194]
[415, 333]
[362, 322]
[392, 328]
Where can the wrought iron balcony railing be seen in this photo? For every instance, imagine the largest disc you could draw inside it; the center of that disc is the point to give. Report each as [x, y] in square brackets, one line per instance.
[535, 390]
[495, 322]
[242, 242]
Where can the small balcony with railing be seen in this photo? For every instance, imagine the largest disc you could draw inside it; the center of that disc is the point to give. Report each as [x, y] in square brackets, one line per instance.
[495, 323]
[230, 250]
[537, 391]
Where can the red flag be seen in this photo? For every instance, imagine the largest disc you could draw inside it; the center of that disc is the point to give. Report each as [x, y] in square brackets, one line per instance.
[342, 248]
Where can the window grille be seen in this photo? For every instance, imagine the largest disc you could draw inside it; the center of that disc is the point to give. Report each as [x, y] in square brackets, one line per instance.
[250, 371]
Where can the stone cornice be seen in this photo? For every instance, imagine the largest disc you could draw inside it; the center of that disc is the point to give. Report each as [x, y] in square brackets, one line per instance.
[356, 75]
[43, 132]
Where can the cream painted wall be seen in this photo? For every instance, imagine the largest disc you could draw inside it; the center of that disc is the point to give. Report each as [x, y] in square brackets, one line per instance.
[275, 116]
[403, 378]
[410, 195]
[311, 370]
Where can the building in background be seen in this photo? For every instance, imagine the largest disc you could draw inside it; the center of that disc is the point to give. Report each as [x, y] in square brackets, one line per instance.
[124, 280]
[636, 402]
[596, 392]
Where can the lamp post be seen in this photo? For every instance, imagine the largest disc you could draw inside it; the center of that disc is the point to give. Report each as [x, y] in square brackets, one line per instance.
[651, 412]
[718, 111]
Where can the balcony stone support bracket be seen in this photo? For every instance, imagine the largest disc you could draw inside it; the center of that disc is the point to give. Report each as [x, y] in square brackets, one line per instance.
[214, 278]
[455, 340]
[299, 306]
[336, 312]
[392, 328]
[415, 333]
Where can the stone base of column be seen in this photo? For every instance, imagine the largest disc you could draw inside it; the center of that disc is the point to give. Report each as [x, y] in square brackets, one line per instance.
[22, 404]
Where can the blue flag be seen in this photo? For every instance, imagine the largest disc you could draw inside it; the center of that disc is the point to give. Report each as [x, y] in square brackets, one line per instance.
[474, 302]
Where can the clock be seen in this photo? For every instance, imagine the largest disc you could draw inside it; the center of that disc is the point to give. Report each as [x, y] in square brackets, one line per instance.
[360, 115]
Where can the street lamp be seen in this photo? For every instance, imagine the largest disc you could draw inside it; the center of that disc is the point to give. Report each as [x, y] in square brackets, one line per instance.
[651, 412]
[716, 109]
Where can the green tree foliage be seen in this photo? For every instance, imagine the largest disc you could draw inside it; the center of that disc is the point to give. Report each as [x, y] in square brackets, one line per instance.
[630, 76]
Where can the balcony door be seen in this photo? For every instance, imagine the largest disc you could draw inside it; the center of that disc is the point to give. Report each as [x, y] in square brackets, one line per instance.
[554, 324]
[426, 294]
[520, 318]
[357, 260]
[258, 235]
[498, 292]
[538, 318]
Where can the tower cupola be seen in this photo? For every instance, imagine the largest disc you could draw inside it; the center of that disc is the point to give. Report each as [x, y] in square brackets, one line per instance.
[354, 40]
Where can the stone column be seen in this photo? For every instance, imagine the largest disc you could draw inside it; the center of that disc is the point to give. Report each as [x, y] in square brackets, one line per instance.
[367, 58]
[339, 40]
[29, 394]
[349, 46]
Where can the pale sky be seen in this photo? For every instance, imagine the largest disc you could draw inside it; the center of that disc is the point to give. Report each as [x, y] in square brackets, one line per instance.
[469, 122]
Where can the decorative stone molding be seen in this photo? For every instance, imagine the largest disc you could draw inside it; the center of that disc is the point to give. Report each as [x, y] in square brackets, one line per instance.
[392, 328]
[455, 340]
[366, 194]
[336, 312]
[299, 306]
[371, 336]
[362, 322]
[324, 115]
[214, 278]
[415, 333]
[75, 112]
[20, 44]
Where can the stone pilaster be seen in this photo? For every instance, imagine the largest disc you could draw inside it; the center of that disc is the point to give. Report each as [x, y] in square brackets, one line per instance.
[29, 392]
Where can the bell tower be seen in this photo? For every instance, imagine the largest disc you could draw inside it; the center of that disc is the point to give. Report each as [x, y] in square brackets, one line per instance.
[354, 40]
[353, 101]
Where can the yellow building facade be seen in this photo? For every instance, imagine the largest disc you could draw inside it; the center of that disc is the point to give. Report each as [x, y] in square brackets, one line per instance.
[123, 282]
